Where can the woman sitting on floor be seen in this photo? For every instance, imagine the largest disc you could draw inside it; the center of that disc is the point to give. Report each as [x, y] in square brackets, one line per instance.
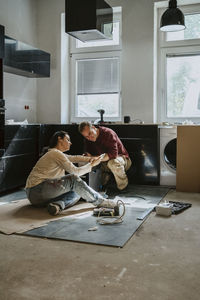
[47, 184]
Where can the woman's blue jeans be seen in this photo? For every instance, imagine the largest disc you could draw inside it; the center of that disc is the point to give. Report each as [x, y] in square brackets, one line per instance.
[65, 192]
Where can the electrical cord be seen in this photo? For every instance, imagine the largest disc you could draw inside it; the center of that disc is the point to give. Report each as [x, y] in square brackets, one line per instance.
[114, 219]
[136, 196]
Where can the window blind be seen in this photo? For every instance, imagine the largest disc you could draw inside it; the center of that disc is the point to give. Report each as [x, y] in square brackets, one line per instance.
[98, 76]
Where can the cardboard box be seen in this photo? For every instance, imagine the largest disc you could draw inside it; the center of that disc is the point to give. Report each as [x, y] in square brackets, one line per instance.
[188, 159]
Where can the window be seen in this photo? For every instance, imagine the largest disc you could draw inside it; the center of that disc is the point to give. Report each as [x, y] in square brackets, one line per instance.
[95, 76]
[97, 87]
[192, 31]
[183, 85]
[178, 69]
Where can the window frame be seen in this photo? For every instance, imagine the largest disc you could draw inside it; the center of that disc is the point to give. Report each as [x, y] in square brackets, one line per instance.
[73, 84]
[162, 91]
[91, 53]
[162, 48]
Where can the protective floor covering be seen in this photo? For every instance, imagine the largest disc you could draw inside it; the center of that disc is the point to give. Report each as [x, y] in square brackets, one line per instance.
[138, 200]
[18, 215]
[13, 196]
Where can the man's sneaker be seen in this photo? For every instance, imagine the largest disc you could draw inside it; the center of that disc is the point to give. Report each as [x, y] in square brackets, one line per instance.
[53, 209]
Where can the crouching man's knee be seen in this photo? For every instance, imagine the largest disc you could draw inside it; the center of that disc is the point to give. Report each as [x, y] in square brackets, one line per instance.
[117, 167]
[115, 163]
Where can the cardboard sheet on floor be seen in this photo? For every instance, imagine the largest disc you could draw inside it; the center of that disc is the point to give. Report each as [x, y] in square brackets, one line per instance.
[138, 199]
[19, 216]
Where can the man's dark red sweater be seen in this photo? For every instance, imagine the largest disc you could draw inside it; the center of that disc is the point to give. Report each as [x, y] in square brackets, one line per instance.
[107, 142]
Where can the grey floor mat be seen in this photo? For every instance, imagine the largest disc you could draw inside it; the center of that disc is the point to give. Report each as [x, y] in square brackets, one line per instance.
[138, 199]
[15, 195]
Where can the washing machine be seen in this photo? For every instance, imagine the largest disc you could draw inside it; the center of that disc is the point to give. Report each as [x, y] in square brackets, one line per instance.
[168, 137]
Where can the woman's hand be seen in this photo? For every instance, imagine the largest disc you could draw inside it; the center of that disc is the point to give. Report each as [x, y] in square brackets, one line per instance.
[95, 161]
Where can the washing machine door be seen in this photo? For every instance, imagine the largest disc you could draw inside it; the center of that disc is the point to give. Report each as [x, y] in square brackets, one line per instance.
[170, 154]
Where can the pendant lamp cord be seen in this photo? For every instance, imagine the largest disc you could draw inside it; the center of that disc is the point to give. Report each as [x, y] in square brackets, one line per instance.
[172, 4]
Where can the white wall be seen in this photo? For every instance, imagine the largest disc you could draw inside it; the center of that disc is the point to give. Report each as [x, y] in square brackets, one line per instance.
[49, 37]
[137, 59]
[38, 22]
[18, 92]
[19, 19]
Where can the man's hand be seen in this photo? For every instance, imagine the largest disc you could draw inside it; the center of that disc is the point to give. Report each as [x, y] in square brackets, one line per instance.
[105, 157]
[87, 154]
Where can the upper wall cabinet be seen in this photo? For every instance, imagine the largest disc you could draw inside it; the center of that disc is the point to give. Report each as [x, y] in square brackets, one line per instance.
[25, 60]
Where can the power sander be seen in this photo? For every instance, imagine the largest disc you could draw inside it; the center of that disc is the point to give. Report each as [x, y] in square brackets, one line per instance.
[108, 212]
[109, 216]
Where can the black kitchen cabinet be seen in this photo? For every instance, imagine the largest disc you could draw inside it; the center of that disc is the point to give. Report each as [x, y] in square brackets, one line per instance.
[24, 144]
[19, 155]
[2, 104]
[142, 144]
[17, 169]
[47, 130]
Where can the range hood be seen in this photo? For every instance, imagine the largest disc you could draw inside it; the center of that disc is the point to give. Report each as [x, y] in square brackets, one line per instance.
[87, 20]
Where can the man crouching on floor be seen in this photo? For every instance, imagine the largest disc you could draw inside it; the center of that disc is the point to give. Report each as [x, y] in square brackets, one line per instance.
[99, 140]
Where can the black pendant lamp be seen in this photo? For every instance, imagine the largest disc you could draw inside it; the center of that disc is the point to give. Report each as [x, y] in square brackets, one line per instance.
[173, 19]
